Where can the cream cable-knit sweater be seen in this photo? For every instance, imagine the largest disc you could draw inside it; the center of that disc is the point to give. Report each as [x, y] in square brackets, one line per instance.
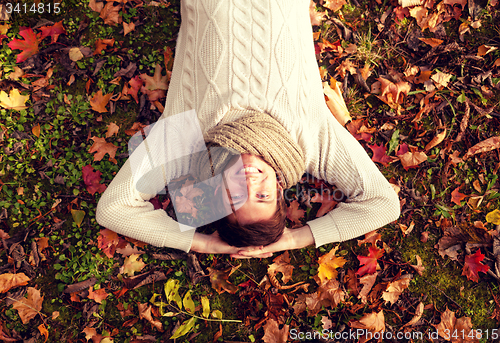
[233, 56]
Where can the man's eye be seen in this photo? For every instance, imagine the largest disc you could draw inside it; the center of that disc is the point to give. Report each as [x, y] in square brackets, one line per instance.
[236, 197]
[263, 196]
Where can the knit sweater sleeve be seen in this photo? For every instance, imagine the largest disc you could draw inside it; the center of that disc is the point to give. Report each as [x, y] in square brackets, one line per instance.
[371, 201]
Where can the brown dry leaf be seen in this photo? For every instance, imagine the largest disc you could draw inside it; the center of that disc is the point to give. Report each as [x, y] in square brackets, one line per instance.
[372, 322]
[112, 130]
[75, 54]
[485, 49]
[453, 2]
[316, 17]
[282, 265]
[127, 28]
[101, 147]
[331, 294]
[218, 278]
[436, 140]
[334, 5]
[412, 159]
[392, 93]
[432, 41]
[441, 79]
[396, 288]
[110, 14]
[100, 101]
[9, 281]
[335, 101]
[96, 6]
[489, 144]
[449, 324]
[157, 81]
[29, 307]
[273, 334]
[98, 295]
[328, 265]
[132, 265]
[454, 159]
[418, 314]
[90, 333]
[367, 281]
[420, 14]
[346, 67]
[16, 74]
[371, 237]
[128, 250]
[419, 268]
[294, 213]
[145, 313]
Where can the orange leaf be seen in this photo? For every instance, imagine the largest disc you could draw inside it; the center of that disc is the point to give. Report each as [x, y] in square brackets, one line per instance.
[36, 130]
[97, 295]
[29, 307]
[157, 81]
[371, 237]
[335, 102]
[432, 41]
[396, 288]
[412, 159]
[456, 196]
[101, 44]
[436, 140]
[9, 281]
[101, 147]
[43, 330]
[316, 17]
[100, 101]
[107, 241]
[97, 7]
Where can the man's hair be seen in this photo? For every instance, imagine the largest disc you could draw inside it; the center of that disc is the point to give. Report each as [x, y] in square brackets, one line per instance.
[259, 233]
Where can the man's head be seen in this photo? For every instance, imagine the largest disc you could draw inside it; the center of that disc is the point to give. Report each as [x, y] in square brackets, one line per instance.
[252, 192]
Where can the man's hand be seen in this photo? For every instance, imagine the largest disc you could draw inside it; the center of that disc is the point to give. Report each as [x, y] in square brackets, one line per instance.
[291, 239]
[212, 244]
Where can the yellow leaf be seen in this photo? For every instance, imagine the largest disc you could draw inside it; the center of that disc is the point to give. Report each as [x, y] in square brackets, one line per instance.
[206, 306]
[188, 303]
[132, 265]
[328, 265]
[78, 216]
[184, 328]
[493, 217]
[14, 100]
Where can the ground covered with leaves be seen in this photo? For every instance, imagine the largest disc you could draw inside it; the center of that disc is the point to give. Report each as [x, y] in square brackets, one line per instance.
[421, 80]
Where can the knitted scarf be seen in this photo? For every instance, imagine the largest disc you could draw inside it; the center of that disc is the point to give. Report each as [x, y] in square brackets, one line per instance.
[256, 133]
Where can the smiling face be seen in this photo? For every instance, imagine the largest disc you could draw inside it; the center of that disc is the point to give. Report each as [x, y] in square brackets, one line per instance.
[251, 189]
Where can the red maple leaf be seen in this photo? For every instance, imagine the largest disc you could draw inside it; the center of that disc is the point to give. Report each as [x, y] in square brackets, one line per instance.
[53, 31]
[379, 154]
[369, 263]
[402, 149]
[29, 45]
[108, 241]
[473, 265]
[92, 180]
[456, 196]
